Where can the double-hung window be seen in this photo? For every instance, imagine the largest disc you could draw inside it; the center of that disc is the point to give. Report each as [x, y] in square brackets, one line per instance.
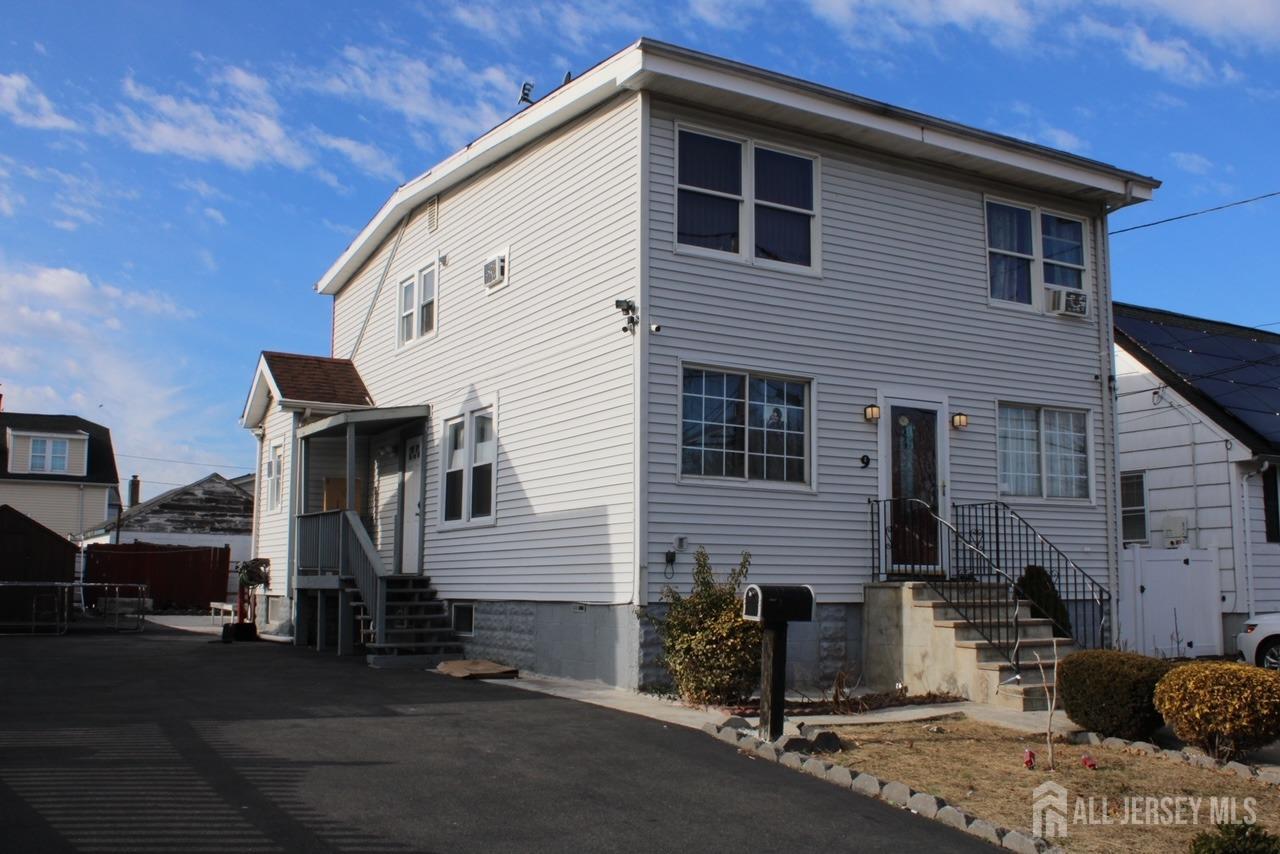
[733, 194]
[417, 306]
[1133, 506]
[470, 467]
[1043, 452]
[49, 455]
[744, 426]
[1029, 249]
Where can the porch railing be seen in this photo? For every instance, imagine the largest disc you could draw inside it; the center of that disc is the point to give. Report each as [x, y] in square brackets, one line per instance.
[1015, 545]
[335, 542]
[910, 541]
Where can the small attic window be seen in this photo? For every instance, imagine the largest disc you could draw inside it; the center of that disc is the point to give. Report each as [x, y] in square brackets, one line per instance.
[49, 455]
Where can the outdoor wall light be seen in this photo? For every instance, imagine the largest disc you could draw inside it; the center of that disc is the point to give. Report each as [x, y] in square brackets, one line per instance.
[871, 412]
[960, 421]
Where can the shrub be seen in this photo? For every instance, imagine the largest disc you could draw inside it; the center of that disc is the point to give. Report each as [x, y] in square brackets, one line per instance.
[1223, 707]
[1036, 586]
[1111, 692]
[713, 654]
[1235, 839]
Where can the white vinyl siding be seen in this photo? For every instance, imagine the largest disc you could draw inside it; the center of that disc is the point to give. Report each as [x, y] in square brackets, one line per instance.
[65, 508]
[272, 534]
[31, 453]
[546, 353]
[902, 303]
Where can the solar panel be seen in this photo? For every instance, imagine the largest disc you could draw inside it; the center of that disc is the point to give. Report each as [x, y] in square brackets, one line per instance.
[1236, 367]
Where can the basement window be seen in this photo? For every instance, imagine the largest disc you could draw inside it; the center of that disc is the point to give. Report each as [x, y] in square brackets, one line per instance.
[464, 619]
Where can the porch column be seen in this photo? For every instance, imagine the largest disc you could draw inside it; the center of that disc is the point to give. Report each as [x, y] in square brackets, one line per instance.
[351, 466]
[346, 624]
[321, 621]
[302, 618]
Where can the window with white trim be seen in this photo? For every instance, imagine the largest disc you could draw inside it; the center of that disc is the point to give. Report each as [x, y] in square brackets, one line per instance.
[744, 426]
[470, 467]
[1133, 506]
[416, 316]
[1029, 248]
[49, 455]
[271, 476]
[1043, 452]
[713, 196]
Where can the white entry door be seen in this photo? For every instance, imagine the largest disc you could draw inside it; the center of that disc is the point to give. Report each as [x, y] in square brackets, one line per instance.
[411, 512]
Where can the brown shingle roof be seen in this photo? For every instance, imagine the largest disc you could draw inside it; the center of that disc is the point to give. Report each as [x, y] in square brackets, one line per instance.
[317, 378]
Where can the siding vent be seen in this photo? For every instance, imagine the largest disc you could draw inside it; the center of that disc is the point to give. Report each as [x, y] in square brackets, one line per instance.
[433, 205]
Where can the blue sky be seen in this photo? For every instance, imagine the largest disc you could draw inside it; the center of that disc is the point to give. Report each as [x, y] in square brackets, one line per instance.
[175, 176]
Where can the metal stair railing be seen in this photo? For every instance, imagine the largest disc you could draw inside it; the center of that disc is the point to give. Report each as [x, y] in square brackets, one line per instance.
[1014, 543]
[909, 541]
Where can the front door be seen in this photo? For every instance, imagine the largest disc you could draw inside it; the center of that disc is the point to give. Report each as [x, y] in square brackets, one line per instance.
[914, 461]
[411, 509]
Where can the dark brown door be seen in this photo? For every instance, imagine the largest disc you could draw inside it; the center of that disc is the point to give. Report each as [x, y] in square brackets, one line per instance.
[913, 529]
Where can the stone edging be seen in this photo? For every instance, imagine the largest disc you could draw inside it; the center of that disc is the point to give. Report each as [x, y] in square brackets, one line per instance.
[1189, 755]
[795, 752]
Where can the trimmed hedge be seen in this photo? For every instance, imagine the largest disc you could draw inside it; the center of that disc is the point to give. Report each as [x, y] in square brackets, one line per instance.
[1224, 708]
[1111, 692]
[712, 653]
[1036, 586]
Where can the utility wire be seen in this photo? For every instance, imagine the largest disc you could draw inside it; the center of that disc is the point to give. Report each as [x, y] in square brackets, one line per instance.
[1196, 213]
[186, 462]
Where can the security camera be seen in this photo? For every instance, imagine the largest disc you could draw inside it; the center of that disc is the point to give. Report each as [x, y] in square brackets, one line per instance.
[625, 306]
[655, 328]
[631, 324]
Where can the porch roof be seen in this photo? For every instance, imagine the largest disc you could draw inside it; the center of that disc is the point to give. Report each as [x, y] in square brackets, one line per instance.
[365, 421]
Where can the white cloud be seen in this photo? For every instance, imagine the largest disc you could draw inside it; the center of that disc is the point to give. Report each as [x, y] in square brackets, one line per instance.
[582, 23]
[881, 22]
[56, 296]
[201, 188]
[1227, 22]
[725, 14]
[24, 103]
[1187, 161]
[238, 124]
[207, 260]
[10, 199]
[366, 157]
[445, 97]
[215, 215]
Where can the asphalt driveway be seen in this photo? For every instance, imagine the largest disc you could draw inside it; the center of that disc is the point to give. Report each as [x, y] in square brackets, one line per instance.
[167, 742]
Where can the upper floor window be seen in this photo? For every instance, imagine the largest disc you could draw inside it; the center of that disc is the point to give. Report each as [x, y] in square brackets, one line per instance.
[417, 306]
[49, 455]
[1044, 452]
[724, 206]
[1028, 248]
[744, 426]
[470, 467]
[271, 476]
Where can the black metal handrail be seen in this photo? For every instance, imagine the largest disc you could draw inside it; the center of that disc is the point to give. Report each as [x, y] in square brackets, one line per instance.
[910, 541]
[1014, 544]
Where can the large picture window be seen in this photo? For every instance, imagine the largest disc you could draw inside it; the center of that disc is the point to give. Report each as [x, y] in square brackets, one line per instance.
[1028, 248]
[470, 467]
[714, 195]
[744, 426]
[1044, 453]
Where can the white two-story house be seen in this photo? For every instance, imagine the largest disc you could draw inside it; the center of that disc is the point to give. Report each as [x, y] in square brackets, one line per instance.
[683, 302]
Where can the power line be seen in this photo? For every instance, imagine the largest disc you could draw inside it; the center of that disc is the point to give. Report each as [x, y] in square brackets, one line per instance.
[1196, 213]
[186, 462]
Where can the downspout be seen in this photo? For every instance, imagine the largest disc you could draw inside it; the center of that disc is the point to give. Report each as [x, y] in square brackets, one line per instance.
[1110, 416]
[1195, 466]
[382, 279]
[1248, 532]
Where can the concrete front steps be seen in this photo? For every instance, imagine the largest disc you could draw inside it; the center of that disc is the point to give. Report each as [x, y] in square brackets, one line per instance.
[913, 637]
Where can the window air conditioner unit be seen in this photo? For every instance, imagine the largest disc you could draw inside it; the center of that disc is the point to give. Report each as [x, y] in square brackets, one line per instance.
[1071, 303]
[495, 271]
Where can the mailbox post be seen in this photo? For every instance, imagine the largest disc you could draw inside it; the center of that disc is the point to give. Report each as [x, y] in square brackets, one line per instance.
[773, 606]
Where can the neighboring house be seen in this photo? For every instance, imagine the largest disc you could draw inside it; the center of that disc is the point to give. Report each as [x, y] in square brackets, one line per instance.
[684, 302]
[58, 469]
[30, 552]
[1199, 425]
[211, 512]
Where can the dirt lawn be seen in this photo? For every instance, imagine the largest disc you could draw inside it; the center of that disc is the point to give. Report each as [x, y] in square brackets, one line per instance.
[979, 767]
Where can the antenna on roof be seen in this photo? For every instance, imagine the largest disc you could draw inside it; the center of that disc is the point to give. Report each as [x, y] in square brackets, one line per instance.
[568, 75]
[526, 91]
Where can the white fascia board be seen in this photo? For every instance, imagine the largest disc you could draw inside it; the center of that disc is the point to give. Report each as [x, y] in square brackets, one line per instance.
[260, 392]
[593, 88]
[893, 123]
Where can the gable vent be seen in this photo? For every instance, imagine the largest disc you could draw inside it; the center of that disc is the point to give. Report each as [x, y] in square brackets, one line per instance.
[432, 212]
